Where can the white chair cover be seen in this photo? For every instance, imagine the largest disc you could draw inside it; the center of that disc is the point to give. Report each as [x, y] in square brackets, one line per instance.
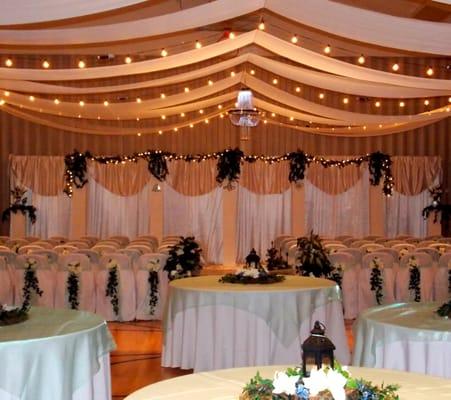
[343, 237]
[78, 243]
[103, 249]
[442, 248]
[348, 241]
[278, 240]
[59, 239]
[444, 240]
[44, 244]
[349, 284]
[16, 243]
[391, 243]
[292, 255]
[64, 249]
[426, 243]
[427, 274]
[86, 293]
[370, 247]
[92, 240]
[356, 254]
[142, 248]
[52, 257]
[367, 297]
[134, 255]
[4, 248]
[143, 288]
[435, 254]
[31, 239]
[331, 241]
[29, 248]
[373, 237]
[381, 240]
[126, 289]
[442, 279]
[45, 276]
[404, 248]
[413, 241]
[123, 240]
[359, 243]
[6, 283]
[110, 242]
[147, 242]
[93, 256]
[392, 251]
[334, 247]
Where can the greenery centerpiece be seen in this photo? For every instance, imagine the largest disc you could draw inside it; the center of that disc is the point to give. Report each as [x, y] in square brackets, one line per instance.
[153, 266]
[444, 310]
[376, 279]
[274, 260]
[184, 259]
[253, 272]
[312, 257]
[323, 384]
[112, 285]
[12, 315]
[19, 204]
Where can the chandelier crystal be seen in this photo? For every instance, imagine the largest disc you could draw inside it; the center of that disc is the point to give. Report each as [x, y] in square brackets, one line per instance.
[245, 114]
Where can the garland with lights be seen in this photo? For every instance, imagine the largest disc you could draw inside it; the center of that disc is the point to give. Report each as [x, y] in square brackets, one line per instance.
[19, 204]
[229, 165]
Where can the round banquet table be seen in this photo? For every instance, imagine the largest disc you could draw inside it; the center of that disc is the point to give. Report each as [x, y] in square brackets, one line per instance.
[405, 336]
[228, 384]
[210, 325]
[56, 354]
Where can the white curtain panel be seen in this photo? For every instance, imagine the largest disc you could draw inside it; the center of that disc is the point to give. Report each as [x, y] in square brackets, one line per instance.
[53, 215]
[403, 214]
[110, 214]
[343, 214]
[199, 216]
[260, 219]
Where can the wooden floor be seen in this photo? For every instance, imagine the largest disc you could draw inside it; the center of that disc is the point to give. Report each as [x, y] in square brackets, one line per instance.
[136, 361]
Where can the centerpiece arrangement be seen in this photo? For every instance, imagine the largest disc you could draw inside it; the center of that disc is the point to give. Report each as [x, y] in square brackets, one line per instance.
[312, 257]
[12, 315]
[253, 272]
[444, 310]
[184, 259]
[274, 260]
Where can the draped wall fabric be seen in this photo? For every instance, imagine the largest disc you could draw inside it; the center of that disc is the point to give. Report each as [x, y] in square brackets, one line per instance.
[200, 216]
[341, 214]
[260, 218]
[111, 214]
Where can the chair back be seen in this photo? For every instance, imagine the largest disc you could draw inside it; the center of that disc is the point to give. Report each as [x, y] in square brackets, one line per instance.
[30, 248]
[348, 241]
[278, 240]
[413, 241]
[426, 243]
[403, 237]
[109, 242]
[44, 244]
[343, 237]
[346, 260]
[103, 249]
[404, 248]
[370, 247]
[334, 247]
[92, 255]
[67, 262]
[4, 239]
[331, 241]
[92, 240]
[381, 240]
[393, 242]
[134, 254]
[422, 259]
[444, 240]
[142, 248]
[4, 248]
[293, 252]
[123, 240]
[145, 242]
[391, 251]
[155, 259]
[64, 249]
[442, 248]
[444, 262]
[385, 258]
[435, 254]
[80, 244]
[40, 261]
[358, 243]
[31, 239]
[16, 243]
[122, 260]
[9, 256]
[52, 256]
[355, 253]
[372, 237]
[59, 239]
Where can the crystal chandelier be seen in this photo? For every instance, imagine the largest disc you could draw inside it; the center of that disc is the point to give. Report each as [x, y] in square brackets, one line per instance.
[245, 114]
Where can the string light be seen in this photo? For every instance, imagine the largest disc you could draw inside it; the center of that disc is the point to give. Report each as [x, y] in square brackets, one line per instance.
[182, 114]
[449, 99]
[6, 93]
[321, 96]
[176, 129]
[163, 117]
[210, 82]
[327, 49]
[2, 102]
[201, 111]
[430, 71]
[402, 104]
[164, 52]
[191, 125]
[45, 64]
[345, 100]
[106, 103]
[207, 121]
[231, 35]
[138, 100]
[81, 64]
[294, 39]
[138, 134]
[298, 89]
[273, 115]
[31, 98]
[361, 59]
[162, 95]
[82, 103]
[9, 62]
[198, 45]
[395, 67]
[252, 72]
[426, 102]
[291, 118]
[261, 25]
[275, 81]
[232, 74]
[56, 101]
[377, 104]
[186, 89]
[128, 60]
[160, 132]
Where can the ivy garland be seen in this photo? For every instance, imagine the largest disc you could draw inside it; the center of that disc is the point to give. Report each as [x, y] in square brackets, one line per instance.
[376, 282]
[23, 209]
[229, 165]
[153, 295]
[73, 285]
[112, 285]
[31, 283]
[414, 279]
[273, 260]
[337, 275]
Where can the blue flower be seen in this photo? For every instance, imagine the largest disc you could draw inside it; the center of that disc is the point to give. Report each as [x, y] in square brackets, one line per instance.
[302, 392]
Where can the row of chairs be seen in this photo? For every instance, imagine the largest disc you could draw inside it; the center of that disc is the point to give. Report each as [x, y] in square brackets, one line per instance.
[133, 287]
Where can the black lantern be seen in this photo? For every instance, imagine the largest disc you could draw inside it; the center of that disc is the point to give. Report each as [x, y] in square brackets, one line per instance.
[317, 350]
[253, 260]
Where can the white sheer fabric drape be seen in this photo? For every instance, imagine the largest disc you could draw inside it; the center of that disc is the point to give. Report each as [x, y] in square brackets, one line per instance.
[53, 215]
[260, 218]
[110, 214]
[200, 216]
[403, 214]
[342, 214]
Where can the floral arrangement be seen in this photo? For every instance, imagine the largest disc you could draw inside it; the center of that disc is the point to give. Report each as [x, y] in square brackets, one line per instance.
[12, 315]
[337, 274]
[274, 260]
[229, 167]
[437, 207]
[253, 272]
[312, 259]
[444, 310]
[73, 284]
[298, 164]
[184, 259]
[153, 266]
[31, 283]
[19, 204]
[112, 286]
[414, 278]
[404, 251]
[376, 280]
[323, 384]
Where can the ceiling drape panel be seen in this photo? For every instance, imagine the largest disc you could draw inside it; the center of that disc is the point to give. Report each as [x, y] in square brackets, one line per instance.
[44, 175]
[262, 178]
[337, 19]
[333, 180]
[413, 175]
[123, 179]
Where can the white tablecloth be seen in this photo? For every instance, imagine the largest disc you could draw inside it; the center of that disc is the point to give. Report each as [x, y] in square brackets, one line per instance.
[56, 355]
[210, 325]
[228, 384]
[405, 336]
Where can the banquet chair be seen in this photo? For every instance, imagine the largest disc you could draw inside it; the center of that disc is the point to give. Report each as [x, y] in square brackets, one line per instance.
[293, 252]
[331, 241]
[426, 243]
[86, 292]
[147, 237]
[381, 240]
[278, 240]
[165, 249]
[285, 245]
[6, 285]
[372, 237]
[334, 247]
[123, 240]
[16, 243]
[403, 248]
[403, 237]
[92, 240]
[65, 249]
[149, 244]
[348, 241]
[444, 240]
[43, 243]
[78, 243]
[433, 237]
[103, 249]
[134, 255]
[393, 242]
[109, 242]
[58, 239]
[143, 248]
[172, 237]
[146, 262]
[93, 257]
[370, 247]
[4, 239]
[349, 283]
[367, 297]
[413, 241]
[358, 243]
[4, 248]
[45, 276]
[434, 253]
[393, 252]
[30, 248]
[126, 288]
[52, 257]
[424, 262]
[442, 248]
[356, 254]
[442, 279]
[343, 237]
[31, 239]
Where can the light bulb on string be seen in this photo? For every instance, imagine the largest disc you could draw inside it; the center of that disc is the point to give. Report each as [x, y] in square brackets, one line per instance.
[182, 114]
[345, 100]
[294, 39]
[232, 74]
[395, 67]
[377, 104]
[164, 52]
[81, 64]
[56, 101]
[261, 25]
[160, 132]
[186, 89]
[430, 71]
[252, 71]
[327, 49]
[298, 89]
[232, 35]
[6, 93]
[210, 82]
[198, 45]
[321, 96]
[402, 104]
[106, 103]
[361, 59]
[275, 81]
[162, 96]
[81, 103]
[9, 62]
[191, 125]
[138, 100]
[426, 102]
[31, 98]
[45, 64]
[128, 60]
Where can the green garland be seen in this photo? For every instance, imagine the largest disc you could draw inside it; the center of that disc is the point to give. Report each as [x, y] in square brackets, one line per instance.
[73, 285]
[376, 282]
[298, 164]
[444, 310]
[23, 209]
[229, 166]
[31, 283]
[112, 286]
[263, 279]
[153, 294]
[414, 282]
[11, 317]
